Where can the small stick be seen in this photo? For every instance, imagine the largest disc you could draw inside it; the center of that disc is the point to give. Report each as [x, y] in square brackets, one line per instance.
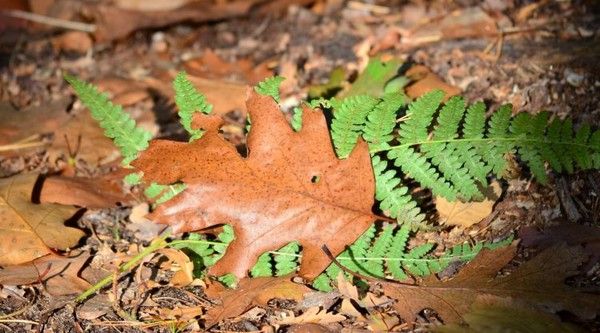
[51, 21]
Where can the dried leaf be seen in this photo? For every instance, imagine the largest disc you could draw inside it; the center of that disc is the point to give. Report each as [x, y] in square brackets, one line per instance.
[180, 263]
[253, 292]
[60, 275]
[113, 22]
[224, 96]
[494, 314]
[570, 233]
[291, 187]
[100, 192]
[539, 282]
[469, 22]
[313, 315]
[73, 41]
[28, 230]
[426, 81]
[211, 66]
[52, 118]
[465, 214]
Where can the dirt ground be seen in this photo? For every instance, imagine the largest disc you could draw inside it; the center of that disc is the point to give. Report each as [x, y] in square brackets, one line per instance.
[542, 58]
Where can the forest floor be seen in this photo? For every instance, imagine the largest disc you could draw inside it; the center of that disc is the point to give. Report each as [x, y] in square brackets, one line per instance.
[534, 55]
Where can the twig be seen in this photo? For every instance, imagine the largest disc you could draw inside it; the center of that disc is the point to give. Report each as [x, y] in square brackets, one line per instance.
[51, 21]
[158, 244]
[17, 146]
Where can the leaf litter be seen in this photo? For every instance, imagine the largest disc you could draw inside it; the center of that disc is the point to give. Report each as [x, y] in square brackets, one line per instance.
[161, 301]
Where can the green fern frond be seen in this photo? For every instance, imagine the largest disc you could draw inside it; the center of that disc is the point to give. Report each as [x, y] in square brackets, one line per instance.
[189, 101]
[385, 253]
[277, 263]
[381, 121]
[350, 116]
[270, 87]
[117, 124]
[394, 199]
[454, 165]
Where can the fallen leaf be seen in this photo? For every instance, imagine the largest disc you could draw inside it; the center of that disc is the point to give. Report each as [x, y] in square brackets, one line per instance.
[291, 187]
[313, 315]
[538, 282]
[253, 292]
[99, 192]
[73, 41]
[471, 22]
[59, 275]
[179, 263]
[494, 314]
[113, 22]
[224, 96]
[124, 92]
[425, 81]
[155, 5]
[570, 233]
[465, 214]
[142, 227]
[28, 230]
[211, 66]
[52, 118]
[308, 328]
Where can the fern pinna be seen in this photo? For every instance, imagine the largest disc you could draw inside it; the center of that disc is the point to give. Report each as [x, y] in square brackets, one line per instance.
[117, 124]
[451, 149]
[383, 252]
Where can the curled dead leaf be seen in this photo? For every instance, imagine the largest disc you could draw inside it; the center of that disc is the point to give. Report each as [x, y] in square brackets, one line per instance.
[465, 214]
[28, 230]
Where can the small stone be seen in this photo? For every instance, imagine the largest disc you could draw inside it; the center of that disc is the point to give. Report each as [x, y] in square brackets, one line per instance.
[573, 78]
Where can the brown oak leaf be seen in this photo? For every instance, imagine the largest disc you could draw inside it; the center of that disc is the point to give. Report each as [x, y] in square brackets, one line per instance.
[291, 187]
[538, 282]
[251, 292]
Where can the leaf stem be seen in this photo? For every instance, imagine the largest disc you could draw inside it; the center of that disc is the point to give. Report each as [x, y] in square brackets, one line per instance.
[519, 139]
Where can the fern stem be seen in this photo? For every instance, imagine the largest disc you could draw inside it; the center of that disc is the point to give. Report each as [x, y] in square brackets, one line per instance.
[517, 139]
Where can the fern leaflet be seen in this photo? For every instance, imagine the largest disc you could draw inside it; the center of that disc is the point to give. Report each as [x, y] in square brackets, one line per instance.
[270, 87]
[117, 124]
[189, 101]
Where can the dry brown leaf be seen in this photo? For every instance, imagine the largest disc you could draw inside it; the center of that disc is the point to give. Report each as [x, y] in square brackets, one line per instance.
[224, 96]
[100, 192]
[252, 292]
[313, 315]
[211, 66]
[426, 81]
[308, 328]
[52, 118]
[59, 275]
[124, 92]
[154, 5]
[538, 282]
[465, 214]
[180, 263]
[113, 22]
[73, 41]
[27, 230]
[470, 22]
[291, 187]
[494, 314]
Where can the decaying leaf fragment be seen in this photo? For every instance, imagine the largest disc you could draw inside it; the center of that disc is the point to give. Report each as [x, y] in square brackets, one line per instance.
[291, 187]
[251, 292]
[27, 230]
[538, 282]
